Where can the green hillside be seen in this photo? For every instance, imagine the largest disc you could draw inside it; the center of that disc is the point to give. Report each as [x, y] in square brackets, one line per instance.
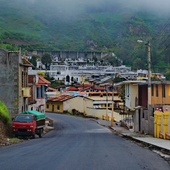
[104, 26]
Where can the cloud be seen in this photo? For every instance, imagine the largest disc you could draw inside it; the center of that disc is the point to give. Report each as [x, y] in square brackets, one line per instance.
[156, 6]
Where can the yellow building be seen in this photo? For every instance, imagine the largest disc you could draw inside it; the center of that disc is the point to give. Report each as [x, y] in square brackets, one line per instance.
[62, 103]
[56, 104]
[160, 93]
[102, 99]
[136, 93]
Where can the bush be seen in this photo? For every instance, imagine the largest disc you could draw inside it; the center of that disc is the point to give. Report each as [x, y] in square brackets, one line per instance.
[77, 113]
[4, 113]
[65, 111]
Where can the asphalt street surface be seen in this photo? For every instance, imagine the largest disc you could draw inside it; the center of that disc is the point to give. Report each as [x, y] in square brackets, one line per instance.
[79, 144]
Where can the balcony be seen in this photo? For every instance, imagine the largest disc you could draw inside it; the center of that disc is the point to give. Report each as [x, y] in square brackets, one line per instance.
[26, 92]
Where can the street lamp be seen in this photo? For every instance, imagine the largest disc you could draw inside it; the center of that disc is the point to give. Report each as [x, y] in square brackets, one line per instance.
[149, 68]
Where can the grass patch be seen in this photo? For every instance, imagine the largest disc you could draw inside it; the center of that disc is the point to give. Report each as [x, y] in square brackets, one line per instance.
[4, 113]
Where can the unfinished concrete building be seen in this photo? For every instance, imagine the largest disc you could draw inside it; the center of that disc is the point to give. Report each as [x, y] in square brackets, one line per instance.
[14, 90]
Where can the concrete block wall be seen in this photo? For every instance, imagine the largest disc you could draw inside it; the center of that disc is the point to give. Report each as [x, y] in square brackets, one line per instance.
[9, 82]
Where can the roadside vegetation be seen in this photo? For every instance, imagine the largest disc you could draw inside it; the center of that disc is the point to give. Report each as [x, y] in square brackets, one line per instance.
[6, 137]
[4, 113]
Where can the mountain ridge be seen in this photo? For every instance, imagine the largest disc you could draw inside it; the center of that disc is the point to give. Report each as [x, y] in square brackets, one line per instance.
[111, 26]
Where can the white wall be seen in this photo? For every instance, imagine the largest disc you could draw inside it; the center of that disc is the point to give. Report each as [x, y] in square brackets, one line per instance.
[131, 92]
[99, 113]
[78, 103]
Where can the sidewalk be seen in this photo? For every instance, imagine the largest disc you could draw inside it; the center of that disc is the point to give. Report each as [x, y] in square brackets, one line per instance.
[147, 139]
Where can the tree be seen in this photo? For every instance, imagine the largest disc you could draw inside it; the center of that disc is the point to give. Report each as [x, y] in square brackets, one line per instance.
[46, 60]
[95, 59]
[138, 63]
[167, 75]
[117, 79]
[33, 60]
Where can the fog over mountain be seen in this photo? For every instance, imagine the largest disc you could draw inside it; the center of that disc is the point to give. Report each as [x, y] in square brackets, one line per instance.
[72, 7]
[153, 5]
[99, 25]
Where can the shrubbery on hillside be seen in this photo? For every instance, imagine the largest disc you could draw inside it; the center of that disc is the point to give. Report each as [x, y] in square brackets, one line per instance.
[4, 113]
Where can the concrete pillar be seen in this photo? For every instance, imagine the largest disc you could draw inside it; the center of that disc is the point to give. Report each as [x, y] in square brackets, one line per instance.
[155, 123]
[136, 121]
[165, 124]
[158, 127]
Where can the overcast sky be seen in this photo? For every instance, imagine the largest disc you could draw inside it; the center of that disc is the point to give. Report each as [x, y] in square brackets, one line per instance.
[143, 3]
[71, 7]
[153, 5]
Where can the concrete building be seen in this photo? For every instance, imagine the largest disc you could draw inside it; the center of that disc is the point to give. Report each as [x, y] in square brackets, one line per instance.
[136, 102]
[14, 89]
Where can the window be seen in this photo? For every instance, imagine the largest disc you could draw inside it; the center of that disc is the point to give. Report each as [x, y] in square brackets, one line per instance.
[152, 88]
[58, 107]
[163, 90]
[47, 106]
[156, 90]
[42, 91]
[38, 92]
[127, 90]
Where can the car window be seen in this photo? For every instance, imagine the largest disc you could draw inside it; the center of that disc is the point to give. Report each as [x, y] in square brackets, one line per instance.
[23, 118]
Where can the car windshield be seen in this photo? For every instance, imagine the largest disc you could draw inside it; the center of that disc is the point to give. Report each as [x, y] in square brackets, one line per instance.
[21, 118]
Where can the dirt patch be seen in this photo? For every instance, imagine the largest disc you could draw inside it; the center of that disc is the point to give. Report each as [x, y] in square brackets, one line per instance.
[6, 137]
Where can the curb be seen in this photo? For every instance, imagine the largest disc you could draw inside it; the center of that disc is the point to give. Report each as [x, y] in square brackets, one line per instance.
[144, 143]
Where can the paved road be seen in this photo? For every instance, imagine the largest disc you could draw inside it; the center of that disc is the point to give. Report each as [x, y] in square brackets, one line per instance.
[79, 144]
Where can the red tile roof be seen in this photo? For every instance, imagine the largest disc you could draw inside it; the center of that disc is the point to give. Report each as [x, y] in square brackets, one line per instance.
[72, 89]
[51, 89]
[60, 98]
[84, 88]
[42, 81]
[99, 88]
[84, 85]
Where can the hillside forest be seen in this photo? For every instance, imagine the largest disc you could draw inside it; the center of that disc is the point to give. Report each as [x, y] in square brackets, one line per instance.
[108, 26]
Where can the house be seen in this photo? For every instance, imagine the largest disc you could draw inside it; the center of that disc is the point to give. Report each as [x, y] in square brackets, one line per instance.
[51, 92]
[41, 85]
[38, 85]
[136, 102]
[136, 93]
[135, 90]
[32, 99]
[56, 104]
[67, 103]
[14, 89]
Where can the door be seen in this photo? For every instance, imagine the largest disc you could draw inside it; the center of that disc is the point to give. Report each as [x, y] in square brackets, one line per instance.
[52, 108]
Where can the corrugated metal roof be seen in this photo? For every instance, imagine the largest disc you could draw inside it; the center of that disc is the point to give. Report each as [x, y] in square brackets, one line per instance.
[105, 79]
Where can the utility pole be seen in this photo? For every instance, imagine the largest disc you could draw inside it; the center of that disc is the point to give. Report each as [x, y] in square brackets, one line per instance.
[106, 103]
[149, 72]
[112, 116]
[148, 46]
